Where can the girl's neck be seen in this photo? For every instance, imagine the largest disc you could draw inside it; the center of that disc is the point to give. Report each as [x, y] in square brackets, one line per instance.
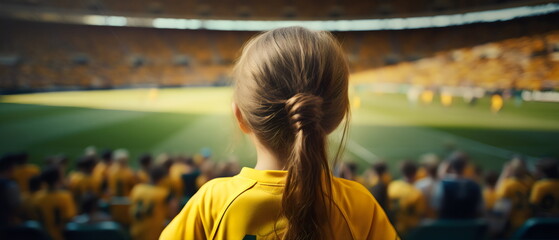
[265, 159]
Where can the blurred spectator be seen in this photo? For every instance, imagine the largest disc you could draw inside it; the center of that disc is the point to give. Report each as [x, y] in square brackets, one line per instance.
[24, 171]
[54, 205]
[545, 192]
[101, 170]
[348, 170]
[81, 181]
[407, 204]
[489, 191]
[514, 186]
[207, 170]
[28, 199]
[121, 179]
[429, 164]
[151, 206]
[90, 212]
[164, 160]
[379, 189]
[145, 164]
[457, 197]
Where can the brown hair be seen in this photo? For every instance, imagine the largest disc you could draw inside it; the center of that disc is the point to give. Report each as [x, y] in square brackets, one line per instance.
[291, 87]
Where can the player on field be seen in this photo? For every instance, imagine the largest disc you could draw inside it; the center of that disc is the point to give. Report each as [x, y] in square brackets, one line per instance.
[151, 207]
[407, 203]
[291, 91]
[54, 206]
[545, 192]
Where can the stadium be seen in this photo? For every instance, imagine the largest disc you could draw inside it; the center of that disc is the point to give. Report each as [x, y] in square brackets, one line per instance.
[88, 84]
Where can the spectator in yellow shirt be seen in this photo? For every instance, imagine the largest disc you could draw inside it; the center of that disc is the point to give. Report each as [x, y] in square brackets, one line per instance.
[151, 206]
[513, 187]
[545, 192]
[145, 165]
[407, 203]
[121, 178]
[54, 205]
[24, 171]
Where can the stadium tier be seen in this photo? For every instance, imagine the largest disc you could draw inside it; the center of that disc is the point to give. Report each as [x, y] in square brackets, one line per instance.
[276, 9]
[62, 56]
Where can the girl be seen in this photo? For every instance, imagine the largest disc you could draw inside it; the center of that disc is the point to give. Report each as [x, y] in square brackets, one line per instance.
[291, 87]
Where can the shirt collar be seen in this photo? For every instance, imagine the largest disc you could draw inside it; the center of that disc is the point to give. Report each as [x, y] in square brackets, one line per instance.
[264, 176]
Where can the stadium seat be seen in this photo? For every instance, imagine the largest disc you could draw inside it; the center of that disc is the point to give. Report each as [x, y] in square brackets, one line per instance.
[101, 230]
[475, 229]
[538, 228]
[27, 230]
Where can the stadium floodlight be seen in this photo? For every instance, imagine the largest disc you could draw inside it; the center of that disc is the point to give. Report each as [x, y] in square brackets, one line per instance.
[400, 23]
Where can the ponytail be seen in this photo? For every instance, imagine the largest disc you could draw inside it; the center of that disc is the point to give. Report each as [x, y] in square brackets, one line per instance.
[303, 202]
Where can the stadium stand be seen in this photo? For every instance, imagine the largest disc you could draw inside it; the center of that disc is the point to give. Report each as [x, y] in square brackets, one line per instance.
[59, 56]
[253, 9]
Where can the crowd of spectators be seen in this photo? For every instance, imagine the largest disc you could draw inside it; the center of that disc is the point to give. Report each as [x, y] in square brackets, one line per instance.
[104, 187]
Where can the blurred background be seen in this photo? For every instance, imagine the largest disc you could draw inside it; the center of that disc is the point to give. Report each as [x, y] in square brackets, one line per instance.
[430, 79]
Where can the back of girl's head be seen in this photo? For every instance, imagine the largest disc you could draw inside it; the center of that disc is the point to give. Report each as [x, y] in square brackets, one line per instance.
[291, 89]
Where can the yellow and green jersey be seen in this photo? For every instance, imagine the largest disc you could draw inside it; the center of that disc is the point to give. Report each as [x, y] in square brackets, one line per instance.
[248, 206]
[407, 205]
[149, 210]
[54, 208]
[545, 196]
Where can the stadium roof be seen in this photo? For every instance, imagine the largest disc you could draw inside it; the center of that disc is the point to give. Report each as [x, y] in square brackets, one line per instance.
[394, 23]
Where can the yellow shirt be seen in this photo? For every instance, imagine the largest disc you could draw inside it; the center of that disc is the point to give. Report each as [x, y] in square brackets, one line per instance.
[148, 211]
[54, 209]
[80, 184]
[407, 205]
[143, 176]
[121, 180]
[518, 193]
[248, 205]
[489, 198]
[545, 196]
[100, 174]
[22, 174]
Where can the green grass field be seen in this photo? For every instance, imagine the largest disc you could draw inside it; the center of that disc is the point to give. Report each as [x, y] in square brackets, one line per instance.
[190, 119]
